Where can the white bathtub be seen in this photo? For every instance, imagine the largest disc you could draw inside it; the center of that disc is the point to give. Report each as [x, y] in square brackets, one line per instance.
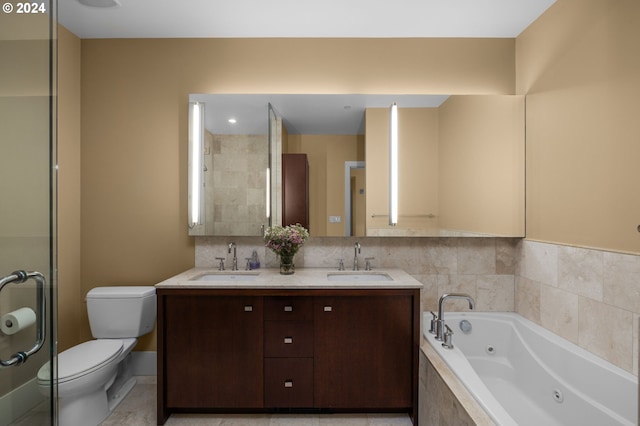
[522, 374]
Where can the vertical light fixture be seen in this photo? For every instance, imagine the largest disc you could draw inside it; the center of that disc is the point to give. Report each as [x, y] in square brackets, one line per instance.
[196, 169]
[393, 164]
[268, 191]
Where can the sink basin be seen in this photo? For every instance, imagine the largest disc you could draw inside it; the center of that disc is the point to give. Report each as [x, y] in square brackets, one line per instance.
[359, 276]
[226, 277]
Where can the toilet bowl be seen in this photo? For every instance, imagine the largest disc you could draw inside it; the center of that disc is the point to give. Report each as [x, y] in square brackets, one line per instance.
[93, 377]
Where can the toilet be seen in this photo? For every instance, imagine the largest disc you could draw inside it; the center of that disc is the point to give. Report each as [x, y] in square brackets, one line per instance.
[95, 376]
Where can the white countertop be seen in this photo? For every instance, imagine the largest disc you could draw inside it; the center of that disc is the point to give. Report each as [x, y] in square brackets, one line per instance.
[304, 278]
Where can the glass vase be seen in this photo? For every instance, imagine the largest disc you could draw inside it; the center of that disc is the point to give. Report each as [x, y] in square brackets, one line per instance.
[286, 265]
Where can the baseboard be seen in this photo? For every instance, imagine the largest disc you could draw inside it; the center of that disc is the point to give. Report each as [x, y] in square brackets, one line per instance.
[144, 363]
[19, 401]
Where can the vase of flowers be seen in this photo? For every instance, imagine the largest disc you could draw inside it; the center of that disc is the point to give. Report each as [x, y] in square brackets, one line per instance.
[285, 241]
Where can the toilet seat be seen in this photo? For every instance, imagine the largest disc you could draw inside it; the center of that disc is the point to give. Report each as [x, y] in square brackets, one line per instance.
[82, 359]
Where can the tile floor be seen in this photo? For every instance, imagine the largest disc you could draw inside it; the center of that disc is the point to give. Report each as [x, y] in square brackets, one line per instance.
[139, 409]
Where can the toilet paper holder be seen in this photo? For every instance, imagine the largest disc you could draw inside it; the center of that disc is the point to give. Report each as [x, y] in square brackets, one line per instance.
[19, 277]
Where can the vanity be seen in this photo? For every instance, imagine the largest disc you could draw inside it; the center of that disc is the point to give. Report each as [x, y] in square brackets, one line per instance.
[317, 341]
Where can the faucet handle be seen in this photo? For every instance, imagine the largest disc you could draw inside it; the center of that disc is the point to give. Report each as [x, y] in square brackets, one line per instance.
[434, 323]
[221, 265]
[448, 338]
[248, 265]
[367, 266]
[341, 264]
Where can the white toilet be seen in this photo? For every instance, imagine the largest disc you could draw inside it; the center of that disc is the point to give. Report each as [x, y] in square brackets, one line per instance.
[94, 376]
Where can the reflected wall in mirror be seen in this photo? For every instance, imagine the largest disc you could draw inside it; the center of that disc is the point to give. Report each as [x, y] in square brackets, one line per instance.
[461, 163]
[461, 168]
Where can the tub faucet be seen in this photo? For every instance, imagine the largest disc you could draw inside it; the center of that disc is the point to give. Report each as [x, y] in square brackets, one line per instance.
[440, 326]
[235, 257]
[356, 249]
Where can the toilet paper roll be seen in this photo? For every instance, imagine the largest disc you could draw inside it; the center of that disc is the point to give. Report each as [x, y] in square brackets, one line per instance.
[17, 320]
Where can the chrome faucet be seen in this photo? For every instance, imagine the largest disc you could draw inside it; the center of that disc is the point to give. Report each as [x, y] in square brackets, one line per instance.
[235, 257]
[356, 249]
[440, 326]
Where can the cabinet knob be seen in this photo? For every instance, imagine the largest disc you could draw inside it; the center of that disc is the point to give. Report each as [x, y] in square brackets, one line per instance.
[288, 340]
[288, 383]
[248, 308]
[288, 308]
[328, 309]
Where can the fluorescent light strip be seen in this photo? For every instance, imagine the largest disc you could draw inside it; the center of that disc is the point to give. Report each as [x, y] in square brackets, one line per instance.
[196, 133]
[393, 164]
[268, 203]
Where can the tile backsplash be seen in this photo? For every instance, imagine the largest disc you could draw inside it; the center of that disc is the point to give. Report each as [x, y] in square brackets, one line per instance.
[589, 297]
[481, 267]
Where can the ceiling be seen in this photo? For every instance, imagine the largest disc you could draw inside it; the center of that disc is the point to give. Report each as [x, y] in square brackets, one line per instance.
[337, 114]
[301, 18]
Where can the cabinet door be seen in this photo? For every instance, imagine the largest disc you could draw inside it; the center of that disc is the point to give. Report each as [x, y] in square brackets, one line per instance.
[214, 352]
[295, 190]
[363, 352]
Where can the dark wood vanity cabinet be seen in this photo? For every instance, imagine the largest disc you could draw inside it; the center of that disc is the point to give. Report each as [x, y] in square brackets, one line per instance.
[362, 352]
[273, 350]
[212, 353]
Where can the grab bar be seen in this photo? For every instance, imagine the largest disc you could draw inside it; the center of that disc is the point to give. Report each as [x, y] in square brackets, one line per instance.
[428, 215]
[19, 277]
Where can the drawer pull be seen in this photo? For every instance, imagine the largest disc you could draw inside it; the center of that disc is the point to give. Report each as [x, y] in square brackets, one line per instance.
[328, 309]
[288, 383]
[288, 308]
[248, 308]
[288, 340]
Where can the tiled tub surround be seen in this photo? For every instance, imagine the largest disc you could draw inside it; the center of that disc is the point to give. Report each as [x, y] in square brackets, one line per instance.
[443, 399]
[516, 380]
[589, 297]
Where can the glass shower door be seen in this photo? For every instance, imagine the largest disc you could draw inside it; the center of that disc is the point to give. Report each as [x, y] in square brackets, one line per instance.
[27, 210]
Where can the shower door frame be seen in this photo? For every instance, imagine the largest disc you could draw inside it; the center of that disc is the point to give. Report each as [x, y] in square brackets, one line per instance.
[28, 223]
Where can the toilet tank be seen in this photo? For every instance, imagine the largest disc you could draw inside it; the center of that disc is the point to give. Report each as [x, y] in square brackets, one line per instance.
[121, 312]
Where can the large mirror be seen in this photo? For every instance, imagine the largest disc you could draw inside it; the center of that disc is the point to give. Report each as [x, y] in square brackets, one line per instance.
[322, 160]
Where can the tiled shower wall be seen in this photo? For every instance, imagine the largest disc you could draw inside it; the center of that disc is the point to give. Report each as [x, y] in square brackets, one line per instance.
[589, 297]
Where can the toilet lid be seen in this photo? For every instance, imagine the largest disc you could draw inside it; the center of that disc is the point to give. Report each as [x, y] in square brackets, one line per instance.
[83, 359]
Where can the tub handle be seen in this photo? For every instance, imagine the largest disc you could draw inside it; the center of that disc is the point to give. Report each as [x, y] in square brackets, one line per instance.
[434, 323]
[448, 338]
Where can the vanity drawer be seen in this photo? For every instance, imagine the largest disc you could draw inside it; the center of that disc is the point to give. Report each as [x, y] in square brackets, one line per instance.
[288, 308]
[288, 382]
[284, 339]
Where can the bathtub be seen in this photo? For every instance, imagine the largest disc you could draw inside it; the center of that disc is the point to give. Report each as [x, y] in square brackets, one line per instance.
[522, 374]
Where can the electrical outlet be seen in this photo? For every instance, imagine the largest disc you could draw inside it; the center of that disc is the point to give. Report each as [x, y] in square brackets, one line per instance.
[335, 219]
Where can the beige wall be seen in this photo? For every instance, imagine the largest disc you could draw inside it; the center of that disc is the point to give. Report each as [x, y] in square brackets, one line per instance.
[580, 70]
[70, 296]
[134, 124]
